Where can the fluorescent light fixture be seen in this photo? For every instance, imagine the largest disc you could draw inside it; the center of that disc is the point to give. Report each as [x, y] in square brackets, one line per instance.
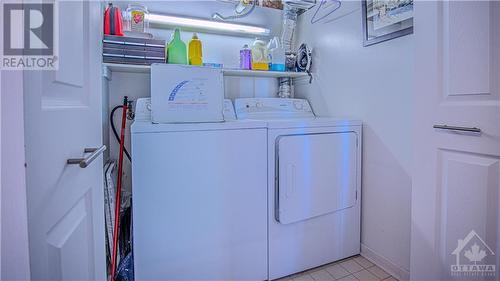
[224, 27]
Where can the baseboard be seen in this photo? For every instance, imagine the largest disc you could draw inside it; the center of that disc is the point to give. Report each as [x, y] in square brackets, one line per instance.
[391, 268]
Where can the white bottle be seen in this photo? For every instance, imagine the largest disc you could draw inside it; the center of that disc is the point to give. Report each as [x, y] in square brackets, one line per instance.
[277, 55]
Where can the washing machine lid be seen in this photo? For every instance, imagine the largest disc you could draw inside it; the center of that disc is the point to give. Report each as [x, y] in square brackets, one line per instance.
[316, 175]
[148, 127]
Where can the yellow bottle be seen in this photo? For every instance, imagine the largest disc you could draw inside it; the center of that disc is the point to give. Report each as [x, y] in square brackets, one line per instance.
[195, 51]
[260, 54]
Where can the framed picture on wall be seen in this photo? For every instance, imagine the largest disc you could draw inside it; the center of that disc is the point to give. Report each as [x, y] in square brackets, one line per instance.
[386, 19]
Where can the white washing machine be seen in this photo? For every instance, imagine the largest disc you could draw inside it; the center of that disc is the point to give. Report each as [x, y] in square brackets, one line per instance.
[314, 184]
[199, 199]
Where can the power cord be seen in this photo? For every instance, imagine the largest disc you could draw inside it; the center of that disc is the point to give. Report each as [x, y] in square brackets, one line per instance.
[111, 120]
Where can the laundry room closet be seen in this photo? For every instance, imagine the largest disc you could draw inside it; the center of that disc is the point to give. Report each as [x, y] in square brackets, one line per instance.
[346, 80]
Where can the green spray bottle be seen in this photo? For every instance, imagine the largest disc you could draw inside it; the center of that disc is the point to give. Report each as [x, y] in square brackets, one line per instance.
[176, 49]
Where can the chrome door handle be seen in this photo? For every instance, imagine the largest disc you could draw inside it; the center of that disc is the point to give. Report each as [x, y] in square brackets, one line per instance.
[84, 162]
[458, 129]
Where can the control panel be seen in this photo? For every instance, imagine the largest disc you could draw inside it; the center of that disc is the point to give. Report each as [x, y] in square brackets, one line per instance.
[143, 110]
[272, 108]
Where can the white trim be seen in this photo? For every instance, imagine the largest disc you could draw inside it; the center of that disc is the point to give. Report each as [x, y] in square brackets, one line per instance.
[382, 262]
[1, 254]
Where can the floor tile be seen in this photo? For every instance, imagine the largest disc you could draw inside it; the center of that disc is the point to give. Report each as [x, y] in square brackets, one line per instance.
[351, 269]
[365, 263]
[351, 266]
[303, 277]
[337, 271]
[379, 272]
[365, 275]
[348, 278]
[322, 275]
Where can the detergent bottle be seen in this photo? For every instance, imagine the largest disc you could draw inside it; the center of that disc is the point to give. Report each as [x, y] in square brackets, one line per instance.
[260, 59]
[176, 49]
[276, 55]
[246, 58]
[195, 51]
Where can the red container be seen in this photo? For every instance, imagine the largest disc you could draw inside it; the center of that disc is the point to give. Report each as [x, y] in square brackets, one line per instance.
[113, 23]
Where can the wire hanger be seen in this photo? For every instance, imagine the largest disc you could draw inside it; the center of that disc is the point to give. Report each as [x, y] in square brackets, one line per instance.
[321, 4]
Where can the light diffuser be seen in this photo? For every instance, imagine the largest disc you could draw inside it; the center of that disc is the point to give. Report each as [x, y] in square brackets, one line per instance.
[176, 21]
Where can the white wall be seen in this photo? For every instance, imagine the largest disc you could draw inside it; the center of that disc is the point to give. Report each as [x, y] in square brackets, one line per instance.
[14, 258]
[14, 232]
[373, 84]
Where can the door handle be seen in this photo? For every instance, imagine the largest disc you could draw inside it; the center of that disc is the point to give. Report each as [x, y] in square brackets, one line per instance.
[84, 162]
[458, 129]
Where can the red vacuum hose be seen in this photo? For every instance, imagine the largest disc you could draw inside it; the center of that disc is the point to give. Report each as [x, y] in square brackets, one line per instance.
[119, 188]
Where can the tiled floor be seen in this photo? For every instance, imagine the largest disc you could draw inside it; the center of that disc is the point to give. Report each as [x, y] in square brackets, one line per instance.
[356, 268]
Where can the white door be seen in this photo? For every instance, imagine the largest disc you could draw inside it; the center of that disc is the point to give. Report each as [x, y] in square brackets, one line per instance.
[62, 118]
[455, 194]
[316, 175]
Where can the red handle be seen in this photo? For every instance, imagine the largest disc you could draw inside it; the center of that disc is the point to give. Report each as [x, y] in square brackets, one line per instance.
[119, 188]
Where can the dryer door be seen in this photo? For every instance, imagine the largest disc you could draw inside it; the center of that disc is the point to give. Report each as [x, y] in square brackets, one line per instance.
[316, 175]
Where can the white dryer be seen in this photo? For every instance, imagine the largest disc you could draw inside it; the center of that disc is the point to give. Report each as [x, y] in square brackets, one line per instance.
[199, 199]
[314, 184]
